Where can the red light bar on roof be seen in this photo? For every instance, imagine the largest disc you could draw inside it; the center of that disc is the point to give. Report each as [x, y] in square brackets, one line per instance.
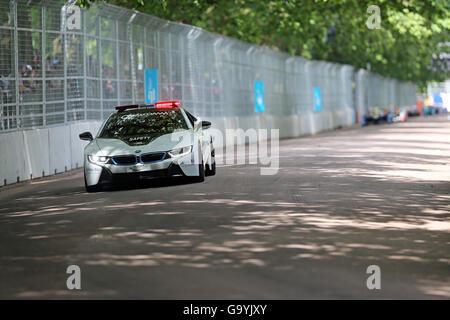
[130, 106]
[157, 105]
[167, 104]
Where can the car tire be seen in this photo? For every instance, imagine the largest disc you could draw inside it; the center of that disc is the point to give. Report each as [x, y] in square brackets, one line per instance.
[211, 171]
[94, 188]
[201, 175]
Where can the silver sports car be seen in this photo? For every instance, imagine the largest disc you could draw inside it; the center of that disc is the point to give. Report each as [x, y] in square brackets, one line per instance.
[138, 142]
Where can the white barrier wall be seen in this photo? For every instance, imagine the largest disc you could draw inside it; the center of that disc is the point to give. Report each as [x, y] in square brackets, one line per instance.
[290, 126]
[29, 154]
[35, 153]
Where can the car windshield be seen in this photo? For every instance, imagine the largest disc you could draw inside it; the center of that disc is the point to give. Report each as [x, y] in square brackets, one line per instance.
[142, 123]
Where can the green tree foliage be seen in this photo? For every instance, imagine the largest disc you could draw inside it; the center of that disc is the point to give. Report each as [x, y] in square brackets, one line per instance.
[327, 30]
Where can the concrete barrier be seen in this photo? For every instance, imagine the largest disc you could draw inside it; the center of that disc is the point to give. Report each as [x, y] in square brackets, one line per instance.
[37, 152]
[60, 150]
[29, 154]
[13, 160]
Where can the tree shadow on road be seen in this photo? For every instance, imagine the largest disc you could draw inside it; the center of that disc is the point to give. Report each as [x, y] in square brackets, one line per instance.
[309, 231]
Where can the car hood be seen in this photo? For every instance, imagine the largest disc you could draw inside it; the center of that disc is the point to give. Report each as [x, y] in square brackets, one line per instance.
[113, 147]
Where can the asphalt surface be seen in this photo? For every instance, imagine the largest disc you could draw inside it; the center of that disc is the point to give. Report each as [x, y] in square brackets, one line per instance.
[341, 201]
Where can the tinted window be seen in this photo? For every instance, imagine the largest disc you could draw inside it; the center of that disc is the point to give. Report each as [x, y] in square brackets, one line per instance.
[143, 122]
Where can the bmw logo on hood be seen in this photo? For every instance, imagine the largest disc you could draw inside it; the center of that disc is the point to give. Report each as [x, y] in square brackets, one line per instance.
[138, 151]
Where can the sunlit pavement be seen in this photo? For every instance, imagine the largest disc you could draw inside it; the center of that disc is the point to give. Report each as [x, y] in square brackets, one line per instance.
[341, 201]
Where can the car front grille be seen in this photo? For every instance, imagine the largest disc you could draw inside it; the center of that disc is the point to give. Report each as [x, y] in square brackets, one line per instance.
[124, 160]
[152, 157]
[128, 160]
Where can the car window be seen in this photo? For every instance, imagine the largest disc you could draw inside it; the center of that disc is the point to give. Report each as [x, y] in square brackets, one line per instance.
[143, 122]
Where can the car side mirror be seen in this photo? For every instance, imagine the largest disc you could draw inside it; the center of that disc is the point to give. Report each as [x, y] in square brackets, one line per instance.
[86, 136]
[206, 124]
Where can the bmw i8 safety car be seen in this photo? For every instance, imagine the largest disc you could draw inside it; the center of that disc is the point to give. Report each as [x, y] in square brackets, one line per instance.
[137, 142]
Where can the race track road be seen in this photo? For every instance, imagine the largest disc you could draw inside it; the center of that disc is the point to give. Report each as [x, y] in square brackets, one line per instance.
[341, 201]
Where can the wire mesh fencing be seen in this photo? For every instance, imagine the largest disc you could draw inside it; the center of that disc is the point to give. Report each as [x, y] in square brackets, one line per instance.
[60, 64]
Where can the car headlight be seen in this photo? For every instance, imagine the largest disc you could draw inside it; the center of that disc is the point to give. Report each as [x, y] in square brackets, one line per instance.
[98, 159]
[180, 151]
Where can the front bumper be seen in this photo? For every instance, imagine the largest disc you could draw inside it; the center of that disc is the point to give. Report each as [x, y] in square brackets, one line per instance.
[111, 174]
[107, 177]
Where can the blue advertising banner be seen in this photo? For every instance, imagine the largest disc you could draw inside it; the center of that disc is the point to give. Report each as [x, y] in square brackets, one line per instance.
[317, 99]
[437, 99]
[259, 96]
[151, 85]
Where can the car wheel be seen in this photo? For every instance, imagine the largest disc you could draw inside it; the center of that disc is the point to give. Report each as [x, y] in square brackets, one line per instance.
[94, 188]
[211, 171]
[201, 175]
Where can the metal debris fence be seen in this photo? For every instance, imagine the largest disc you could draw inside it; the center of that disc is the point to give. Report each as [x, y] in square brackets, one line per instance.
[53, 72]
